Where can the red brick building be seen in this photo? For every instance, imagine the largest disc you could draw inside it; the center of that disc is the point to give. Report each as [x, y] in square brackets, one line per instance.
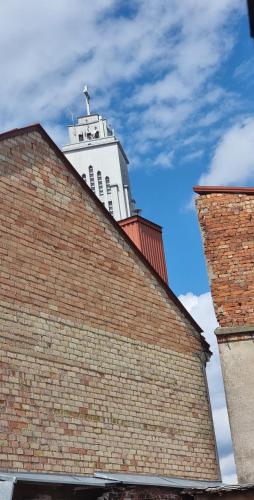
[226, 216]
[102, 368]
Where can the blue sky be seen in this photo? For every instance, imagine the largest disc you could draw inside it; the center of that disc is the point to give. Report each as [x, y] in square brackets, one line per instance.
[165, 193]
[176, 80]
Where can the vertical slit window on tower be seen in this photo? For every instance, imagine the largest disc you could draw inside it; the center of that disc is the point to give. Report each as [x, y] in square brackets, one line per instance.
[91, 178]
[100, 185]
[84, 177]
[80, 137]
[110, 207]
[108, 187]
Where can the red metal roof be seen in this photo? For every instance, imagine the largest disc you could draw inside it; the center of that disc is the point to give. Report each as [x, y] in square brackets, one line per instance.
[147, 236]
[135, 218]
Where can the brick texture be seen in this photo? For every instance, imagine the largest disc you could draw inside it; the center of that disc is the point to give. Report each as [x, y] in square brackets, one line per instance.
[99, 368]
[227, 224]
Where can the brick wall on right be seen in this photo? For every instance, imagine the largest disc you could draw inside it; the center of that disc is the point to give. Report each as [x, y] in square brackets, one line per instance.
[226, 217]
[227, 225]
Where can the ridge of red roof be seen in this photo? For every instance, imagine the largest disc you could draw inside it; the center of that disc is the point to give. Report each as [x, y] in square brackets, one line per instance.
[138, 218]
[37, 127]
[223, 189]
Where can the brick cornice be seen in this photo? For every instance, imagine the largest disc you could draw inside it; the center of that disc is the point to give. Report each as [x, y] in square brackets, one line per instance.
[223, 189]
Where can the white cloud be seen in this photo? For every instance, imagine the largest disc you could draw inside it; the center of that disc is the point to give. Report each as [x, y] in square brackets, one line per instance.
[215, 95]
[152, 55]
[210, 118]
[233, 160]
[201, 308]
[193, 155]
[194, 56]
[164, 160]
[245, 70]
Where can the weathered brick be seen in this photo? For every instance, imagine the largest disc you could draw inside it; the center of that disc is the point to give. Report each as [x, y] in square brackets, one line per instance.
[99, 366]
[227, 224]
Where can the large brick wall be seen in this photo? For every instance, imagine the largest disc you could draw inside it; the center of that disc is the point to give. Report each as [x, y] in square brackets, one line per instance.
[226, 217]
[227, 223]
[100, 369]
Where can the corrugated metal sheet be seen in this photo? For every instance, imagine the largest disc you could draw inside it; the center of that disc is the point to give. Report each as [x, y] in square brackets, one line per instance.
[104, 479]
[31, 477]
[159, 481]
[148, 238]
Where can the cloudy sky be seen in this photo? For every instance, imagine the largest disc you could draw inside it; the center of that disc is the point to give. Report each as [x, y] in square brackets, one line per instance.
[176, 80]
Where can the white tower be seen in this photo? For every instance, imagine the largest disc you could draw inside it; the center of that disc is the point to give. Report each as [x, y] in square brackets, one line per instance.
[99, 158]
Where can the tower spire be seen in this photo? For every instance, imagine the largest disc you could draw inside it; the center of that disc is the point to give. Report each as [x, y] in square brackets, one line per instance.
[87, 97]
[101, 160]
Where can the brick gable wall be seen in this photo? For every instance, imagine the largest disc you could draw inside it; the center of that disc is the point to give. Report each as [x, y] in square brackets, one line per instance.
[227, 225]
[99, 368]
[226, 218]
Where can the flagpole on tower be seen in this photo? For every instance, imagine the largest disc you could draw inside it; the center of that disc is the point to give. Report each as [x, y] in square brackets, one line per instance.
[87, 96]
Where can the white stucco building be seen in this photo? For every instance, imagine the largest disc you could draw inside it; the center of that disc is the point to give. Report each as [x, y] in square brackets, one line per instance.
[100, 159]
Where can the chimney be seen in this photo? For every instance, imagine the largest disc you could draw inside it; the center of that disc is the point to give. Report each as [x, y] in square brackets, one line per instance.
[147, 236]
[226, 217]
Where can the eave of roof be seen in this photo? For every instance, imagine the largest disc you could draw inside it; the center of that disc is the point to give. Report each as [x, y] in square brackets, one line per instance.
[103, 479]
[107, 479]
[38, 128]
[223, 189]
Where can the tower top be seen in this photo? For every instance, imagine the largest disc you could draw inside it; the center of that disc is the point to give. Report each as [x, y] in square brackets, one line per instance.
[87, 97]
[99, 157]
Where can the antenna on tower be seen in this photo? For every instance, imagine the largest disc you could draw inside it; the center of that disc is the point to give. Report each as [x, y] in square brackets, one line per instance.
[87, 96]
